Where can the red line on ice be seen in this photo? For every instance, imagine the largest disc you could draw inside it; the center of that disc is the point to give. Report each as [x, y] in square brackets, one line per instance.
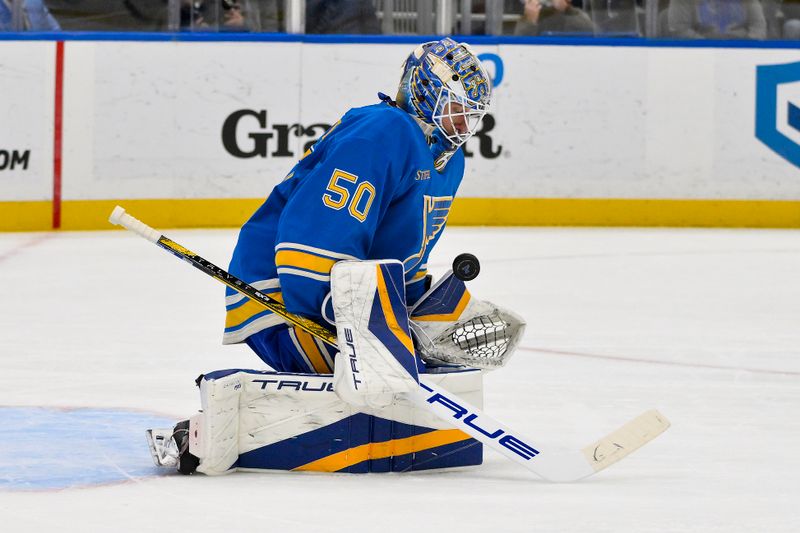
[27, 244]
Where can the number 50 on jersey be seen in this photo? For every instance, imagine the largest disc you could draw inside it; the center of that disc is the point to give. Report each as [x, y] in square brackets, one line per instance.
[337, 196]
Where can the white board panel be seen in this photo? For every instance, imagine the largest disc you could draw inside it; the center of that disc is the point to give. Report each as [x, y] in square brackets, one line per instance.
[27, 89]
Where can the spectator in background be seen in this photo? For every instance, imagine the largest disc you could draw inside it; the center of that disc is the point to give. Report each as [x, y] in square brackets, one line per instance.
[109, 15]
[252, 15]
[232, 15]
[617, 17]
[263, 15]
[716, 19]
[790, 15]
[341, 16]
[151, 15]
[542, 17]
[35, 17]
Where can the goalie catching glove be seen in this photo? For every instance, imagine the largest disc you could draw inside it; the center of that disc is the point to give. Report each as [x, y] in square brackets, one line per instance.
[452, 327]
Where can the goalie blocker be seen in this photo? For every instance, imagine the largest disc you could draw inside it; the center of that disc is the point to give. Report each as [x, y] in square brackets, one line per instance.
[376, 358]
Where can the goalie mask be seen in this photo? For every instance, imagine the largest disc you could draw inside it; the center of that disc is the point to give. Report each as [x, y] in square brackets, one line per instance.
[445, 86]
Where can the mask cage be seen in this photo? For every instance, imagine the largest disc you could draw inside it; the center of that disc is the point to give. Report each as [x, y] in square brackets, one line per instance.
[462, 114]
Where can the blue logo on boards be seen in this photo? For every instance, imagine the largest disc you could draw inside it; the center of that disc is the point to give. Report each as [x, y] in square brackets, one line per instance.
[49, 448]
[495, 60]
[778, 109]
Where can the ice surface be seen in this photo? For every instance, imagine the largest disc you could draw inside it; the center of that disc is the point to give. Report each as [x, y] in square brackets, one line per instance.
[702, 324]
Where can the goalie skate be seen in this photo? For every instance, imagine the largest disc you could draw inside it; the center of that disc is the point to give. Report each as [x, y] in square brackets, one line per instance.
[163, 448]
[170, 447]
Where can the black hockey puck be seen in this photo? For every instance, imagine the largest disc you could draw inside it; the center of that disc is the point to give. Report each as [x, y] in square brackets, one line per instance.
[466, 267]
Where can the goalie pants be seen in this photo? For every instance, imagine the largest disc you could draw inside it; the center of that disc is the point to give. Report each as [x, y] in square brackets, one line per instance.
[288, 349]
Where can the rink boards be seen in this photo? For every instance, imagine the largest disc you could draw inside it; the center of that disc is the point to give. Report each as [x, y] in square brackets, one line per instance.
[196, 133]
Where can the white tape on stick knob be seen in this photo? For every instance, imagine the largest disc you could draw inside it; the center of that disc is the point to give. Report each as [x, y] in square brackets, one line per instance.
[120, 218]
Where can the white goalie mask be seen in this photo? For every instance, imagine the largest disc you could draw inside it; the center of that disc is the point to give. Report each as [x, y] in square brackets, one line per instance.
[445, 86]
[457, 116]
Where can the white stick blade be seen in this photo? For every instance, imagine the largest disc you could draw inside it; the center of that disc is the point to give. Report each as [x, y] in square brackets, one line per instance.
[625, 440]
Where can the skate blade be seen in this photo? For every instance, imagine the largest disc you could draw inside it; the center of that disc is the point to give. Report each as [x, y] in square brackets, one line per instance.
[158, 441]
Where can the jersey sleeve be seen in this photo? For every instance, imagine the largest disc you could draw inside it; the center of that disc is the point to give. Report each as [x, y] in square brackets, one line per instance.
[332, 215]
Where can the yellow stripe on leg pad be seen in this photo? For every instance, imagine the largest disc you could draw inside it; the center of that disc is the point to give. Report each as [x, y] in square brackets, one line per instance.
[382, 450]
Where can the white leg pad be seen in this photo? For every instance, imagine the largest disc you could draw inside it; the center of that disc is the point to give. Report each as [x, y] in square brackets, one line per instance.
[246, 411]
[217, 439]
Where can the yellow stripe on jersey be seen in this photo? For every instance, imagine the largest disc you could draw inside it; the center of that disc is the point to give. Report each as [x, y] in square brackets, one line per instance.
[447, 317]
[391, 320]
[304, 260]
[417, 277]
[382, 450]
[247, 310]
[312, 352]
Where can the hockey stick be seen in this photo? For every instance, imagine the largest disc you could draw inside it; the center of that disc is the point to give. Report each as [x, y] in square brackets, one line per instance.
[550, 465]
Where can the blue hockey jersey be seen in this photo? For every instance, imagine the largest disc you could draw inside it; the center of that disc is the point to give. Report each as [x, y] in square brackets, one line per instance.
[367, 189]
